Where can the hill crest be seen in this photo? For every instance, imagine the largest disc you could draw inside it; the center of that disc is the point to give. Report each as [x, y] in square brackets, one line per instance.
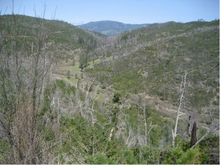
[110, 27]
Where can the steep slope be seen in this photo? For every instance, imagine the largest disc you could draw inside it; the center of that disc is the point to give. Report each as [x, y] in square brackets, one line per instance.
[153, 60]
[110, 27]
[65, 36]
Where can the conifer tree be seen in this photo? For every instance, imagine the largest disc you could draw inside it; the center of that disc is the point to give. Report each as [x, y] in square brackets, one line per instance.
[90, 89]
[73, 61]
[68, 74]
[81, 75]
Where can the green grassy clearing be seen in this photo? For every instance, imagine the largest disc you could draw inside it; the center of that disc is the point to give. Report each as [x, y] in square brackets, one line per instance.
[91, 63]
[76, 70]
[96, 62]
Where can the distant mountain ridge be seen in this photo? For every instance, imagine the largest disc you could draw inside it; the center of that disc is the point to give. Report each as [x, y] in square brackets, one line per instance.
[110, 27]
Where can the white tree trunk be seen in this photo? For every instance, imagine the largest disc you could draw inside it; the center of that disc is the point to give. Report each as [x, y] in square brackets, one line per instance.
[182, 88]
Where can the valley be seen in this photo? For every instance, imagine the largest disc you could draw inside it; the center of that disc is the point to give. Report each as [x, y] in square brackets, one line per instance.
[75, 96]
[164, 107]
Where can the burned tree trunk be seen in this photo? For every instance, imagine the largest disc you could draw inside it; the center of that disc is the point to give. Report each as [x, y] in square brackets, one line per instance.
[193, 135]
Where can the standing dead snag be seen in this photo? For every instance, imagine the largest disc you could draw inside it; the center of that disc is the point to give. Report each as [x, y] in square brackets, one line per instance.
[193, 135]
[215, 127]
[182, 89]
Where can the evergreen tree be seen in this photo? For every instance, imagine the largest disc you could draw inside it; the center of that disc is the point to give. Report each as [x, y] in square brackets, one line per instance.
[73, 61]
[90, 89]
[81, 61]
[68, 74]
[78, 84]
[81, 75]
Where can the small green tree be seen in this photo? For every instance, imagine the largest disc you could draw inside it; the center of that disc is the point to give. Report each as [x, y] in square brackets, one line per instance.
[178, 156]
[73, 61]
[116, 98]
[99, 159]
[90, 89]
[78, 84]
[68, 74]
[76, 76]
[81, 75]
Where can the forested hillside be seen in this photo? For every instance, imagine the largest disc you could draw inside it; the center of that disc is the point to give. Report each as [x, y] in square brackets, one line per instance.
[145, 96]
[154, 59]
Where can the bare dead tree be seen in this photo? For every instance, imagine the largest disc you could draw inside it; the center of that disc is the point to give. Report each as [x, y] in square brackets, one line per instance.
[146, 126]
[181, 90]
[25, 64]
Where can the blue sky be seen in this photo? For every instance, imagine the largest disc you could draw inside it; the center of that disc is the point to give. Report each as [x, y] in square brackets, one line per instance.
[126, 11]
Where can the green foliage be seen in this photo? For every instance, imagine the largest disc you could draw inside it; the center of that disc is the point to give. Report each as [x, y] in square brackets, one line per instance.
[81, 75]
[83, 61]
[68, 74]
[91, 88]
[178, 156]
[201, 97]
[129, 157]
[191, 156]
[146, 155]
[210, 149]
[49, 134]
[71, 89]
[99, 159]
[160, 65]
[47, 102]
[4, 147]
[78, 84]
[171, 156]
[114, 116]
[61, 84]
[74, 62]
[116, 98]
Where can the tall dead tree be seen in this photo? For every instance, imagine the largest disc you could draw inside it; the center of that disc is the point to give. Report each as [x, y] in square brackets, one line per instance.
[181, 93]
